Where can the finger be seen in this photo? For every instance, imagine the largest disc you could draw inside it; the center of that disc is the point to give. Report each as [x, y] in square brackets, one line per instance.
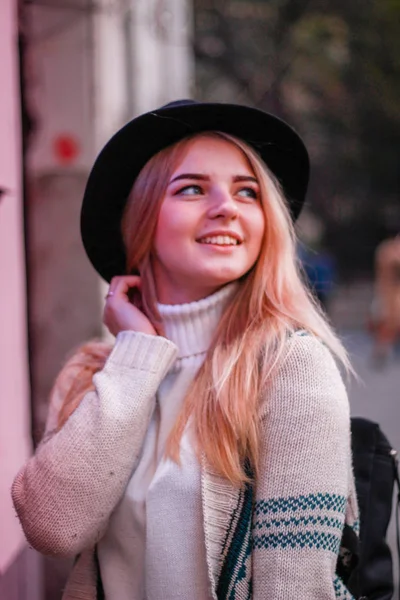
[120, 279]
[120, 286]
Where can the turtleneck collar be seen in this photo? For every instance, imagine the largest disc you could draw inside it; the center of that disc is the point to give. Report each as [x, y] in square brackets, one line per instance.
[191, 326]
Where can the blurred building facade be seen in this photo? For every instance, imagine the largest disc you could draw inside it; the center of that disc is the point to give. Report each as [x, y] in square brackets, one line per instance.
[15, 439]
[87, 68]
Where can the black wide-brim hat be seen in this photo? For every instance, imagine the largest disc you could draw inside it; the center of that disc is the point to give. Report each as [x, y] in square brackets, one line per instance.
[122, 158]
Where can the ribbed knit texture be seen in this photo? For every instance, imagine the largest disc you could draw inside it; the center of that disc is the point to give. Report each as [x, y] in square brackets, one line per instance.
[65, 494]
[154, 546]
[192, 326]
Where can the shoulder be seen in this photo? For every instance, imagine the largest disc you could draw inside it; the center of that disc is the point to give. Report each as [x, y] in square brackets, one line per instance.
[307, 380]
[305, 446]
[305, 354]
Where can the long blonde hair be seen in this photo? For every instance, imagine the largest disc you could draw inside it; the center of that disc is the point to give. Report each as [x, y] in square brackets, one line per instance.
[271, 302]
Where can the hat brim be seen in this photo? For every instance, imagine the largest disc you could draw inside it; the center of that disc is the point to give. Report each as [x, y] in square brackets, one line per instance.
[123, 157]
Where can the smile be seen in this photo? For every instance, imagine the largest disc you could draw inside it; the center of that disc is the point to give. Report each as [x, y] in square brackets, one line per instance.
[220, 240]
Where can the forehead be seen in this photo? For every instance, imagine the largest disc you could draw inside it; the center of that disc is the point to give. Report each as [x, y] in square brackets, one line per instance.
[211, 154]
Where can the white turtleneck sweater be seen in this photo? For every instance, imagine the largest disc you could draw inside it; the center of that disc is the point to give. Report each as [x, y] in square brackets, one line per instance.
[154, 546]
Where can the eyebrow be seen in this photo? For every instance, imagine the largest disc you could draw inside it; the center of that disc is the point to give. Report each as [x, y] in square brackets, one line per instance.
[200, 177]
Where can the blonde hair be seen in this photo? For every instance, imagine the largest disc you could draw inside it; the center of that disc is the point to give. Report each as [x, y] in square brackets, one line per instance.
[271, 302]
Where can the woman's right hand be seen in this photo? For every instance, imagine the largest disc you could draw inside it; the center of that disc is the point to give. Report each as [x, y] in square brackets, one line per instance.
[119, 312]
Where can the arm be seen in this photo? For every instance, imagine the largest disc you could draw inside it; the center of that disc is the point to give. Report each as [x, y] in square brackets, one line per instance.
[65, 493]
[304, 479]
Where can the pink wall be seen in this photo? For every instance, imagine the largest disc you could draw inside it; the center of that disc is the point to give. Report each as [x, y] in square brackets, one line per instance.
[14, 393]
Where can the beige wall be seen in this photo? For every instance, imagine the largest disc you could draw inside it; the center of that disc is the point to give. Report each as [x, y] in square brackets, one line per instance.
[14, 395]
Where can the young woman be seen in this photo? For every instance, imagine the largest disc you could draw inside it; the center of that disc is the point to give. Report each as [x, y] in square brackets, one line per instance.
[206, 455]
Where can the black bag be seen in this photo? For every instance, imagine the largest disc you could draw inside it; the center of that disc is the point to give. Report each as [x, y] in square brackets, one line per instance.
[376, 473]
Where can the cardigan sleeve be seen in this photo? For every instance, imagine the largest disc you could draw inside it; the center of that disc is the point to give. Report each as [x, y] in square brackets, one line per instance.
[66, 492]
[305, 478]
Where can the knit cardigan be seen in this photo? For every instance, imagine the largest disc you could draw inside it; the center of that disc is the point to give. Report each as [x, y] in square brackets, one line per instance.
[276, 540]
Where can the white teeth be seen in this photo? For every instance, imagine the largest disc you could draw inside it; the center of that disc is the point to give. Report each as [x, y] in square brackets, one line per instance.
[221, 240]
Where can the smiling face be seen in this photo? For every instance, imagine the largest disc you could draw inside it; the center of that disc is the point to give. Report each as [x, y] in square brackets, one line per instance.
[211, 222]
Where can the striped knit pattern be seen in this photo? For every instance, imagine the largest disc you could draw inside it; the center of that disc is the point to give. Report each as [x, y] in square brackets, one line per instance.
[341, 591]
[311, 521]
[356, 526]
[235, 579]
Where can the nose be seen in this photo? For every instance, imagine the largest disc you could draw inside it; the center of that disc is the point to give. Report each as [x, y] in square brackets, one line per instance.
[222, 205]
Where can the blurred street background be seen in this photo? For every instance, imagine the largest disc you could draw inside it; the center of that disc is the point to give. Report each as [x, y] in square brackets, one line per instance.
[74, 71]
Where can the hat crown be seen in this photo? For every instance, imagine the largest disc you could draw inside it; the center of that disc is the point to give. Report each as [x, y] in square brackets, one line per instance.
[176, 103]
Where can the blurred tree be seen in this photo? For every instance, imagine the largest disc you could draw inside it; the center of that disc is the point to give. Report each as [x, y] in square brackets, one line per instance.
[332, 70]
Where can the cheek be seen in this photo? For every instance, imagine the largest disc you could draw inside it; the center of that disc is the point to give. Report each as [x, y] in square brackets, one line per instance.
[169, 231]
[165, 226]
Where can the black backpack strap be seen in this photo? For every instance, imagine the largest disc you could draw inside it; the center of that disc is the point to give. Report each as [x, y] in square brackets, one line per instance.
[376, 476]
[393, 454]
[99, 584]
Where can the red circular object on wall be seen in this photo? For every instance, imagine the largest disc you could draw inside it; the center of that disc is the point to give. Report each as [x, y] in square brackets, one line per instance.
[66, 148]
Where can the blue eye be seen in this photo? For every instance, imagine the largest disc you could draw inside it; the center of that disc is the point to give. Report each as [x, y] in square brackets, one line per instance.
[190, 190]
[248, 192]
